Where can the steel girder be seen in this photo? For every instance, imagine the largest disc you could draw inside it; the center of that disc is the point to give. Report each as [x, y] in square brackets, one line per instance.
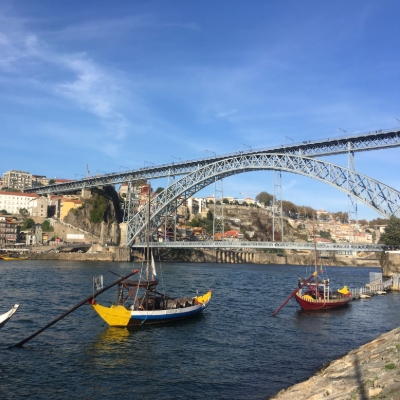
[363, 142]
[382, 198]
[242, 244]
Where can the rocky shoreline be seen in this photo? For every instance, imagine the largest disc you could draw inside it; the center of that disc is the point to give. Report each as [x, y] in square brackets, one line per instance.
[370, 372]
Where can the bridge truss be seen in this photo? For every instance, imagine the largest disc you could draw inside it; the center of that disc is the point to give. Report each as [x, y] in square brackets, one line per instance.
[363, 142]
[382, 198]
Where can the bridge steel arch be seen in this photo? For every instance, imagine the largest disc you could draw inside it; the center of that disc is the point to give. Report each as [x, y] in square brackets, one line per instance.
[380, 197]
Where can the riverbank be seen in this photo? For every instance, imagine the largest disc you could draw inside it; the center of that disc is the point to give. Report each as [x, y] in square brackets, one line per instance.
[121, 254]
[370, 372]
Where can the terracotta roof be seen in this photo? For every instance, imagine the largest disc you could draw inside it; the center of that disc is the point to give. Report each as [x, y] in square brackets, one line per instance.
[19, 194]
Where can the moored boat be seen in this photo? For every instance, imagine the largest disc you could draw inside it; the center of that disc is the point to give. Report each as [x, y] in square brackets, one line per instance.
[6, 316]
[14, 258]
[314, 293]
[140, 303]
[317, 296]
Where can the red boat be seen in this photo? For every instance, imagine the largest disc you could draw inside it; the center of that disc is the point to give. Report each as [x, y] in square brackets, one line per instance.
[314, 293]
[317, 296]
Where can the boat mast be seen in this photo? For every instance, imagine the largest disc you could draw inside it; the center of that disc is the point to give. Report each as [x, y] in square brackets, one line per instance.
[315, 255]
[148, 237]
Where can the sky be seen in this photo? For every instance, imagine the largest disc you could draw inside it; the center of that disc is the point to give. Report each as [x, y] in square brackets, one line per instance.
[108, 86]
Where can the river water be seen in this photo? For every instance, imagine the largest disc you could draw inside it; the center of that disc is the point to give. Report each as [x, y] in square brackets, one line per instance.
[235, 350]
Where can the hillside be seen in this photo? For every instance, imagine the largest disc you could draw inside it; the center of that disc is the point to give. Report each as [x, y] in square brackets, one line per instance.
[103, 206]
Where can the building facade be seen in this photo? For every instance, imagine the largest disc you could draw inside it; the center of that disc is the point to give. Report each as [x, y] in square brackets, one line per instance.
[38, 207]
[17, 180]
[9, 230]
[12, 202]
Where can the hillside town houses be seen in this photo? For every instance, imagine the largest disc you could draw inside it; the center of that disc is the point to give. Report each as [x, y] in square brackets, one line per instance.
[13, 200]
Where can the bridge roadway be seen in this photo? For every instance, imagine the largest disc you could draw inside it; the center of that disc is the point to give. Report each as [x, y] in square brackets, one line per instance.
[264, 245]
[376, 140]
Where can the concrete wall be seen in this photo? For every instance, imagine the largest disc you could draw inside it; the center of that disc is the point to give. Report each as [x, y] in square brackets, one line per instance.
[390, 262]
[112, 254]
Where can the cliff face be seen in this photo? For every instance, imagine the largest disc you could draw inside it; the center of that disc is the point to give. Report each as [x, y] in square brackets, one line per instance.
[103, 206]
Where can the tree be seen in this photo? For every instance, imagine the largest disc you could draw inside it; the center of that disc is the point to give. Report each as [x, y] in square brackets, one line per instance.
[265, 198]
[289, 208]
[4, 212]
[324, 217]
[99, 206]
[391, 237]
[52, 181]
[24, 212]
[46, 227]
[341, 216]
[28, 224]
[378, 221]
[225, 201]
[159, 189]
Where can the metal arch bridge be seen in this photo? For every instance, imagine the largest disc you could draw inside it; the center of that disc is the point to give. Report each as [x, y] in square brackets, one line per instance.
[376, 140]
[382, 198]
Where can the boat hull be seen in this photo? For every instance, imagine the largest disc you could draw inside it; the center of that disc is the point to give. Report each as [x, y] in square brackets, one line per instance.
[121, 316]
[163, 316]
[6, 316]
[321, 304]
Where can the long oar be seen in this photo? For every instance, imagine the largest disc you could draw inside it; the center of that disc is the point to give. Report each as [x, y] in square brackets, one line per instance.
[89, 298]
[293, 293]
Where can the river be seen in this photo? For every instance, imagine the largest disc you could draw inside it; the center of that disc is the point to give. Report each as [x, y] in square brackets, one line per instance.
[235, 350]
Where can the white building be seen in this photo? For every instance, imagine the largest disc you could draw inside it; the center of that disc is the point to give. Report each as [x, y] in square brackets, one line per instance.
[12, 202]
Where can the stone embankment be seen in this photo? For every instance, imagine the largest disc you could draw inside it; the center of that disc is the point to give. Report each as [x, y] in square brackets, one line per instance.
[253, 257]
[112, 253]
[370, 372]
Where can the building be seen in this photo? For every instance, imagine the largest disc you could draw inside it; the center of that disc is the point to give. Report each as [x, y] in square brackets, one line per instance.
[9, 230]
[68, 204]
[17, 180]
[123, 190]
[39, 180]
[38, 207]
[12, 202]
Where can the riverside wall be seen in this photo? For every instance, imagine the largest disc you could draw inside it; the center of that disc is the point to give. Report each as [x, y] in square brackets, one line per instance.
[120, 254]
[243, 257]
[390, 261]
[371, 371]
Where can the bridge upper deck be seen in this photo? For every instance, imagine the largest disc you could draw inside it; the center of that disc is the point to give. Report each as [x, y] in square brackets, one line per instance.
[331, 146]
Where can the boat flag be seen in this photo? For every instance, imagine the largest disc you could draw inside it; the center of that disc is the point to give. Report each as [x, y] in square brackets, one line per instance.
[97, 282]
[153, 266]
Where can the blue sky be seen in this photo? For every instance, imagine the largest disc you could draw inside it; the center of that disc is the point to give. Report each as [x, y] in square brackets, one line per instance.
[119, 85]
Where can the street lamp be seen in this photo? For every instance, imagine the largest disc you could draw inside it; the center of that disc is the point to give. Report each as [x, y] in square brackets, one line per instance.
[244, 144]
[287, 137]
[148, 162]
[122, 166]
[101, 171]
[79, 175]
[178, 158]
[215, 154]
[343, 130]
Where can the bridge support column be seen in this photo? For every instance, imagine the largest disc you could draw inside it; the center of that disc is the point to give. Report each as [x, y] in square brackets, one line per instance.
[102, 234]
